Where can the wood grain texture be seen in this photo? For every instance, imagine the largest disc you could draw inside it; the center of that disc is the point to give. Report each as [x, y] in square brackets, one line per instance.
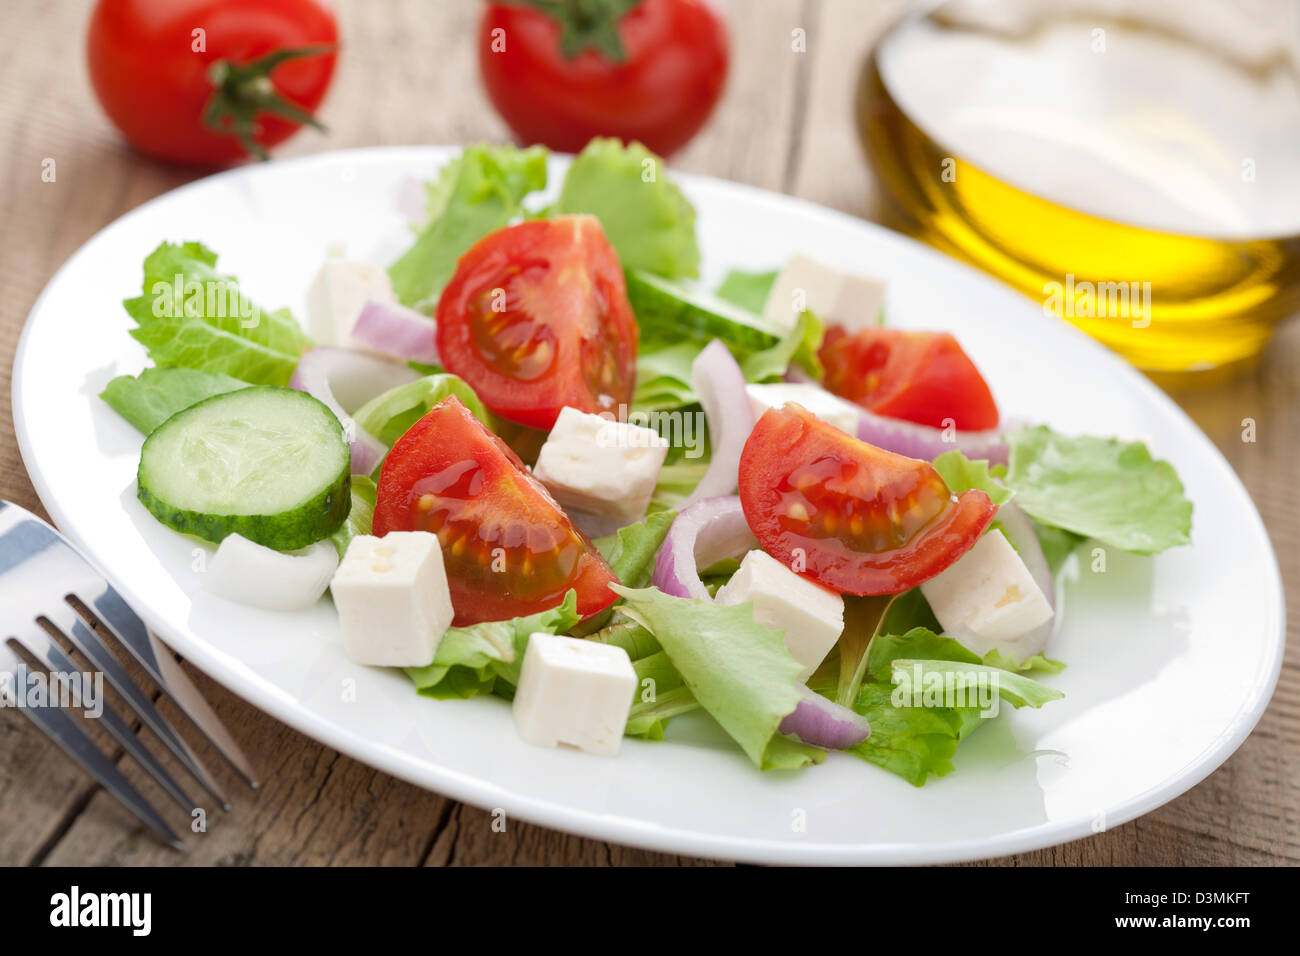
[409, 76]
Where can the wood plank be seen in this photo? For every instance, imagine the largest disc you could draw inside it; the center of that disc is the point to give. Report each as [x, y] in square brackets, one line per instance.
[474, 837]
[42, 114]
[748, 139]
[315, 807]
[828, 166]
[409, 75]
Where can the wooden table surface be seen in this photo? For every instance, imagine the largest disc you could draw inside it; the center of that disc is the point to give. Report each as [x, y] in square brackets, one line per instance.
[408, 75]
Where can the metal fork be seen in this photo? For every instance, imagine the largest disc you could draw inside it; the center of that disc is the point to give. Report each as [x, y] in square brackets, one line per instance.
[48, 590]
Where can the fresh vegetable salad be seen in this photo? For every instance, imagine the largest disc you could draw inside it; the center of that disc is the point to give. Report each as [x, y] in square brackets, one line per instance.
[533, 458]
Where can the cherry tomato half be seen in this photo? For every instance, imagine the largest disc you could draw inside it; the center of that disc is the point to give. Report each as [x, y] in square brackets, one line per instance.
[508, 549]
[849, 515]
[151, 65]
[921, 377]
[537, 318]
[651, 71]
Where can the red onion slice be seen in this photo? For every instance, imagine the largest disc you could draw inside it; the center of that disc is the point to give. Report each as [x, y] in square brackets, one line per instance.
[819, 722]
[702, 534]
[396, 330]
[344, 379]
[720, 384]
[922, 441]
[928, 443]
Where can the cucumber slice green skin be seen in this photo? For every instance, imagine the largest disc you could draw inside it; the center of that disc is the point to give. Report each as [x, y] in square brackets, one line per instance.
[312, 522]
[665, 310]
[316, 517]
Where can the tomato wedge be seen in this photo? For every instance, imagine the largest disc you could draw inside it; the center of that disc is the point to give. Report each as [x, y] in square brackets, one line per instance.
[508, 549]
[847, 514]
[537, 318]
[921, 377]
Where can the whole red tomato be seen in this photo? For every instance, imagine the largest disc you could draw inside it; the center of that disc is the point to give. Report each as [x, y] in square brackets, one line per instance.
[210, 81]
[562, 71]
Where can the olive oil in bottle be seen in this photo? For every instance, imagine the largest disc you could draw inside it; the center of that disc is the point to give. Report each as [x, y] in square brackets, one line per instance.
[1138, 176]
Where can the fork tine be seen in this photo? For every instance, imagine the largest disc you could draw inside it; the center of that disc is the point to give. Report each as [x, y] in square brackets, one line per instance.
[129, 631]
[41, 646]
[76, 743]
[194, 706]
[63, 730]
[88, 643]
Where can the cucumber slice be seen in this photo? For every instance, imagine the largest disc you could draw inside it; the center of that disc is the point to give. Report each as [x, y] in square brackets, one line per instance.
[269, 463]
[669, 312]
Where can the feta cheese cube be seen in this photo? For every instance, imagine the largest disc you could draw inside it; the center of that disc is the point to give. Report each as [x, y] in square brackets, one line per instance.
[811, 616]
[835, 297]
[574, 692]
[991, 598]
[601, 466]
[336, 296]
[837, 411]
[392, 598]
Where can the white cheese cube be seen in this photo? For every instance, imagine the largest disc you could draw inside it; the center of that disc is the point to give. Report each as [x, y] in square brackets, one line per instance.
[336, 296]
[392, 598]
[574, 692]
[991, 598]
[811, 616]
[835, 297]
[837, 411]
[601, 466]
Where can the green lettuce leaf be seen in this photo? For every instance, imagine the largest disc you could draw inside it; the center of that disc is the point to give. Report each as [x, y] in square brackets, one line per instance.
[749, 290]
[995, 658]
[479, 192]
[960, 474]
[863, 618]
[907, 611]
[719, 573]
[677, 481]
[663, 375]
[661, 695]
[189, 315]
[630, 551]
[1016, 689]
[1099, 488]
[738, 670]
[156, 394]
[649, 717]
[664, 370]
[798, 347]
[912, 742]
[871, 625]
[389, 415]
[361, 516]
[473, 660]
[918, 742]
[633, 638]
[1057, 544]
[648, 221]
[917, 643]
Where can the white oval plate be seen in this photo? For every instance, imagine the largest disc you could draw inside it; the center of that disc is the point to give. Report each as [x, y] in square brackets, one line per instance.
[1171, 660]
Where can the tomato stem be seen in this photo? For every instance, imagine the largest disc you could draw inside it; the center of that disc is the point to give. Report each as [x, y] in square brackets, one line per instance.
[242, 90]
[586, 24]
